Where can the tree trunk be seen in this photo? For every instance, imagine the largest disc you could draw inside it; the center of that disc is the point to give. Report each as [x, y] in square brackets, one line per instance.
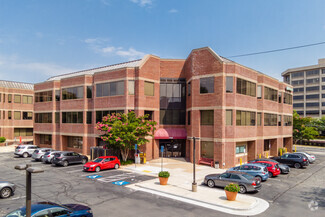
[125, 154]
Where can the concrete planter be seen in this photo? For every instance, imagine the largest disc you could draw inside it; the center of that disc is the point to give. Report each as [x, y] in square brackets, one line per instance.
[231, 195]
[163, 181]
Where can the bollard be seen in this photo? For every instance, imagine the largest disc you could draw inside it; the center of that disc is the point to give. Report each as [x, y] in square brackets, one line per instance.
[267, 155]
[295, 148]
[281, 152]
[259, 156]
[240, 161]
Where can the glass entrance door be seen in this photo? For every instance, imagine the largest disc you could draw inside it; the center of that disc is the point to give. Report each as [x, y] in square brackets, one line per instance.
[173, 148]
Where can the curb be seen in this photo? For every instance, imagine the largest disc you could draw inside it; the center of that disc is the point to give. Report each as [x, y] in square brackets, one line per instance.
[222, 206]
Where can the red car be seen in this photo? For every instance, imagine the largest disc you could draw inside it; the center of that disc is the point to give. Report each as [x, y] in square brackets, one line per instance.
[272, 167]
[102, 163]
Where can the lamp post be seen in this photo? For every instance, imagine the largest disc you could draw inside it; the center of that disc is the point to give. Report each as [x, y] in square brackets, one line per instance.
[194, 184]
[29, 170]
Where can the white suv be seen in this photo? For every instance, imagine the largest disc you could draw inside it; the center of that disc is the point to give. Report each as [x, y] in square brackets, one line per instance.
[25, 150]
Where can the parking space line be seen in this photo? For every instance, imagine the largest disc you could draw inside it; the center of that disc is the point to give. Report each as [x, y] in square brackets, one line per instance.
[60, 168]
[100, 173]
[16, 198]
[74, 171]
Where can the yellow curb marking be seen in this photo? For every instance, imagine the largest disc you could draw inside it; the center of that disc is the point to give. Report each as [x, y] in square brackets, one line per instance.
[146, 171]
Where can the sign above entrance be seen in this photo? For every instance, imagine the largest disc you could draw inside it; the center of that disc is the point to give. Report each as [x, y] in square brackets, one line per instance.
[171, 133]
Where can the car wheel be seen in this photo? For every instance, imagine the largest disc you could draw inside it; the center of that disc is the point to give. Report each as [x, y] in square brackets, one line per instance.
[210, 183]
[65, 163]
[5, 192]
[242, 189]
[25, 155]
[270, 175]
[258, 178]
[97, 169]
[297, 165]
[84, 161]
[116, 166]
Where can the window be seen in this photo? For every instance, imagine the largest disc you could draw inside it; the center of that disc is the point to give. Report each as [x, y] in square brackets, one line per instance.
[298, 82]
[298, 105]
[241, 147]
[300, 112]
[73, 93]
[270, 119]
[17, 115]
[27, 100]
[9, 98]
[110, 89]
[43, 117]
[297, 90]
[312, 104]
[4, 114]
[270, 94]
[17, 99]
[207, 85]
[246, 87]
[312, 72]
[149, 88]
[323, 79]
[101, 114]
[312, 81]
[89, 117]
[297, 74]
[4, 97]
[172, 117]
[89, 92]
[229, 117]
[312, 96]
[229, 84]
[287, 120]
[45, 96]
[279, 120]
[45, 139]
[233, 176]
[189, 118]
[323, 71]
[23, 131]
[58, 211]
[9, 115]
[287, 98]
[245, 118]
[207, 117]
[189, 89]
[312, 112]
[267, 144]
[259, 92]
[207, 149]
[131, 87]
[280, 96]
[57, 95]
[74, 142]
[298, 97]
[259, 119]
[43, 213]
[72, 117]
[314, 88]
[150, 115]
[57, 117]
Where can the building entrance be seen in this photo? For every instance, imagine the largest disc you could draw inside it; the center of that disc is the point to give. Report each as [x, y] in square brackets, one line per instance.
[173, 147]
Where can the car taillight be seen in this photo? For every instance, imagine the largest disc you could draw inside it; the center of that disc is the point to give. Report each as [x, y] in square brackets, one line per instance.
[305, 159]
[48, 155]
[263, 173]
[254, 183]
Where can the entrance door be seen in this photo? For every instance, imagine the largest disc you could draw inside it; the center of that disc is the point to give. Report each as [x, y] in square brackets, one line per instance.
[173, 148]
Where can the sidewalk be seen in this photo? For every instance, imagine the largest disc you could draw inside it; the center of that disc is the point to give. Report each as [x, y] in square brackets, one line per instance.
[6, 149]
[180, 187]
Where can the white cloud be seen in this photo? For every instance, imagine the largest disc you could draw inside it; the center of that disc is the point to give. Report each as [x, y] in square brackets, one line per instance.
[131, 53]
[142, 3]
[173, 10]
[108, 49]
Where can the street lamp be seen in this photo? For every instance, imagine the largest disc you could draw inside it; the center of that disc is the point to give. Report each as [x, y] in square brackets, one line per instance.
[29, 170]
[194, 184]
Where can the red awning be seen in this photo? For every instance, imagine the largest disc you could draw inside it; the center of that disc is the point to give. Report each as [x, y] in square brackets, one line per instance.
[171, 133]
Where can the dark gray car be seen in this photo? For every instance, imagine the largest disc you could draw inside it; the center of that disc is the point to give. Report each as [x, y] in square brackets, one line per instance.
[6, 189]
[69, 157]
[245, 181]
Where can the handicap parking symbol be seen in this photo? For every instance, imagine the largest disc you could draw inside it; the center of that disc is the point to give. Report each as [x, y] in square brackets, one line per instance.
[94, 176]
[120, 183]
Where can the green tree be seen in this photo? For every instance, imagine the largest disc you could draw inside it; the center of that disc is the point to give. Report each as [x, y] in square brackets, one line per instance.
[123, 131]
[303, 128]
[319, 124]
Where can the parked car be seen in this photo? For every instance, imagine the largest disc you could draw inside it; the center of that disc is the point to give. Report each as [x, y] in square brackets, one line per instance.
[49, 209]
[246, 182]
[259, 171]
[295, 160]
[102, 163]
[285, 169]
[311, 158]
[25, 150]
[69, 157]
[6, 189]
[272, 167]
[48, 156]
[39, 153]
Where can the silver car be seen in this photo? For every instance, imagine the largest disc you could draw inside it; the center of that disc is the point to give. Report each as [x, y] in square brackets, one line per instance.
[39, 153]
[48, 156]
[6, 189]
[311, 158]
[25, 150]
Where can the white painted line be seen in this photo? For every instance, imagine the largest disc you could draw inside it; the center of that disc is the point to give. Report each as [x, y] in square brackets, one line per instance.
[16, 198]
[74, 171]
[116, 177]
[100, 173]
[62, 167]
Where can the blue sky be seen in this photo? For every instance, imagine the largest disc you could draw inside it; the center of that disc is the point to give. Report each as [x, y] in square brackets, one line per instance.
[39, 39]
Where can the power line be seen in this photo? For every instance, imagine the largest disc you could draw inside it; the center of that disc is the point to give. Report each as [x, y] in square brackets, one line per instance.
[282, 49]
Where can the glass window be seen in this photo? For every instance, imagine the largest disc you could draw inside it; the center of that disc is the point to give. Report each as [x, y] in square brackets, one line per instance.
[314, 88]
[270, 119]
[297, 74]
[312, 72]
[233, 176]
[279, 120]
[280, 97]
[58, 211]
[101, 114]
[57, 117]
[312, 96]
[149, 88]
[229, 84]
[240, 148]
[267, 145]
[287, 98]
[312, 112]
[89, 117]
[17, 99]
[72, 117]
[43, 117]
[23, 131]
[246, 87]
[229, 117]
[72, 93]
[189, 118]
[189, 89]
[45, 96]
[172, 117]
[312, 104]
[259, 119]
[17, 115]
[131, 87]
[207, 85]
[207, 117]
[287, 120]
[298, 97]
[45, 139]
[298, 82]
[270, 94]
[245, 118]
[297, 90]
[110, 89]
[75, 142]
[259, 92]
[89, 92]
[57, 95]
[298, 105]
[312, 81]
[150, 115]
[9, 98]
[207, 149]
[9, 115]
[43, 213]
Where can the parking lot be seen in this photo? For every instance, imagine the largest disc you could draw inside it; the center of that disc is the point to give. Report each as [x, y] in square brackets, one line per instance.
[300, 193]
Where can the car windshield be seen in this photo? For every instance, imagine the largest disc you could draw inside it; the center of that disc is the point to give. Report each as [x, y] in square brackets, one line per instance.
[97, 160]
[17, 213]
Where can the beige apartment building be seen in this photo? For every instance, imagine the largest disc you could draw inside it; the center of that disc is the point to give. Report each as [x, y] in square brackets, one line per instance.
[308, 88]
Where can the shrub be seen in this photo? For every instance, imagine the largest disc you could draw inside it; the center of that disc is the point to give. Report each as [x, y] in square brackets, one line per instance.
[2, 139]
[127, 162]
[164, 174]
[232, 187]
